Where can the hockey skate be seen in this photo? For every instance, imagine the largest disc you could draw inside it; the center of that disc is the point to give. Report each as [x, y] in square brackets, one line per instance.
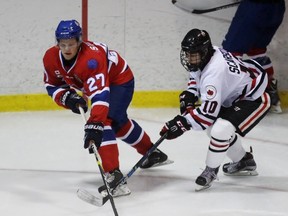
[206, 178]
[112, 179]
[157, 158]
[245, 167]
[275, 99]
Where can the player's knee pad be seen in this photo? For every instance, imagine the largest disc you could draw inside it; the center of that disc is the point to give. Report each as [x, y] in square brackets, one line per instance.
[222, 131]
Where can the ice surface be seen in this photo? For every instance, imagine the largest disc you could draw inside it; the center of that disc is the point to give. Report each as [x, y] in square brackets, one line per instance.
[43, 163]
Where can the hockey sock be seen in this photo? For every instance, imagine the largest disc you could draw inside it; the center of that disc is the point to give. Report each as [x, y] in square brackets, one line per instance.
[135, 136]
[110, 157]
[236, 151]
[216, 152]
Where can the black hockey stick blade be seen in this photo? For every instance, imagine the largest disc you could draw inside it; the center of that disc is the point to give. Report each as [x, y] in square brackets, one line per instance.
[208, 10]
[89, 198]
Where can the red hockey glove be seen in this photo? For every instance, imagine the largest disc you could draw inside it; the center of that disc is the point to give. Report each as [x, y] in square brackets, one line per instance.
[175, 128]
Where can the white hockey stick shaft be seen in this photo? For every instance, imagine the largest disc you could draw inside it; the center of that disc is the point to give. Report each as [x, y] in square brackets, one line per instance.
[208, 10]
[94, 148]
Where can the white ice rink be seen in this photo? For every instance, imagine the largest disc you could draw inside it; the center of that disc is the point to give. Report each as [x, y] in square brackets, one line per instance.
[43, 163]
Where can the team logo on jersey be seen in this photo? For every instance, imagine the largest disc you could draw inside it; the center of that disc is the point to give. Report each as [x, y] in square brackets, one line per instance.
[92, 64]
[210, 92]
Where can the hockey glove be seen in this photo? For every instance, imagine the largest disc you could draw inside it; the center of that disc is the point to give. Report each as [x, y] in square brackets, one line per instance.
[72, 100]
[187, 101]
[93, 134]
[176, 127]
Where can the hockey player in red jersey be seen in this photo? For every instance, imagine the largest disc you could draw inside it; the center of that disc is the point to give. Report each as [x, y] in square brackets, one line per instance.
[233, 101]
[101, 74]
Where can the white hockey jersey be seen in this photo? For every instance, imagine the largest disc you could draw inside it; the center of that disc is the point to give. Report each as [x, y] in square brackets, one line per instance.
[224, 80]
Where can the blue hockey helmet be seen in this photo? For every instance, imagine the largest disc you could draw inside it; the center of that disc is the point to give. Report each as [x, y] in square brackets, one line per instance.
[68, 29]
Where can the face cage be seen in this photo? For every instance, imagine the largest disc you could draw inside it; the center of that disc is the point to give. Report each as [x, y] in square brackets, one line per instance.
[186, 63]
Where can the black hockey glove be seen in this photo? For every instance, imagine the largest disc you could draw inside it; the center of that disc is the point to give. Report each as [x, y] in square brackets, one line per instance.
[175, 128]
[187, 101]
[93, 134]
[72, 100]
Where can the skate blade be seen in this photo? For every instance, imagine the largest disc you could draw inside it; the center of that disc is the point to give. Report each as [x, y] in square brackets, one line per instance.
[275, 109]
[201, 188]
[123, 191]
[243, 173]
[167, 162]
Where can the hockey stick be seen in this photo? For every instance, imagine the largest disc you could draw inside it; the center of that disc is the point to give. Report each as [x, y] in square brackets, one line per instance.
[202, 11]
[137, 165]
[100, 200]
[82, 194]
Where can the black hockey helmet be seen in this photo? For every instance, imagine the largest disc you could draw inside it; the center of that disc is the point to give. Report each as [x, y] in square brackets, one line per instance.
[196, 50]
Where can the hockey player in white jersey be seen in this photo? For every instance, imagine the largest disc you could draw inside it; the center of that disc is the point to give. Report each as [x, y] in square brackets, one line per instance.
[233, 101]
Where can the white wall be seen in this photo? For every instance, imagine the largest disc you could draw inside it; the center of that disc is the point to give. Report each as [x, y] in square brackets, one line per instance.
[147, 33]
